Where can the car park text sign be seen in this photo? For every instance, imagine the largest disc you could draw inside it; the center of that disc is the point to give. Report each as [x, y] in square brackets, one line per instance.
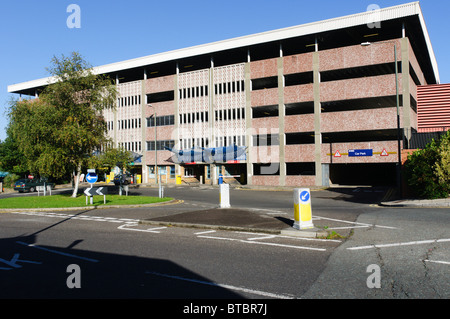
[360, 153]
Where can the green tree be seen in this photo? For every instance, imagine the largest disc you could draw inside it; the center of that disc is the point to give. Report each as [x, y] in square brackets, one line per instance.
[61, 129]
[111, 158]
[12, 159]
[442, 167]
[427, 171]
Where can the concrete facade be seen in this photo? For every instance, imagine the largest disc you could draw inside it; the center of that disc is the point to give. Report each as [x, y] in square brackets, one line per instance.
[300, 104]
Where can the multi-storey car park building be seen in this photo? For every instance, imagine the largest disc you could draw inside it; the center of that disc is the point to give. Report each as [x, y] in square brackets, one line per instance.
[311, 105]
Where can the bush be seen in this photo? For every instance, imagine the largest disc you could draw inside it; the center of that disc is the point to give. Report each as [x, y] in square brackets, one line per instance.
[427, 171]
[10, 179]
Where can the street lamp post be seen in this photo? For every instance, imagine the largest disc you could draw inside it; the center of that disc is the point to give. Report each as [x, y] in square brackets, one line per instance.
[156, 149]
[399, 134]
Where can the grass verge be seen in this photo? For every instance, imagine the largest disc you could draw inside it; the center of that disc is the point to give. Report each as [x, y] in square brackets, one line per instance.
[65, 201]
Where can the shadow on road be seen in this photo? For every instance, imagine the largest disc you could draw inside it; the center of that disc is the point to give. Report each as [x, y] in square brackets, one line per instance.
[33, 271]
[359, 195]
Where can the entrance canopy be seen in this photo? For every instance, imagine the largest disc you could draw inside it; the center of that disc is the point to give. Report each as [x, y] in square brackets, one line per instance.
[209, 155]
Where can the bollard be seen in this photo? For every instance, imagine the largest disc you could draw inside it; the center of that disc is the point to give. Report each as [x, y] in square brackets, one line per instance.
[220, 179]
[224, 195]
[161, 191]
[302, 209]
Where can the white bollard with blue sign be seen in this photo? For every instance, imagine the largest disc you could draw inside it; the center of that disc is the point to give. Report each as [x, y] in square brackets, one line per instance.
[302, 209]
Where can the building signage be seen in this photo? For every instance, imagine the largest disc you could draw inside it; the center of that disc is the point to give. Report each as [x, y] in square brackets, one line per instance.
[360, 153]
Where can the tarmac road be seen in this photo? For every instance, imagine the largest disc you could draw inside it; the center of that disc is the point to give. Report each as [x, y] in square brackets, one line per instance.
[409, 245]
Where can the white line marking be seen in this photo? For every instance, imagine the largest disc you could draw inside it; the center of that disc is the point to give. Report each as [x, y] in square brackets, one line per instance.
[149, 230]
[79, 217]
[251, 291]
[205, 232]
[262, 243]
[422, 242]
[334, 228]
[293, 237]
[264, 237]
[270, 211]
[356, 223]
[56, 252]
[312, 239]
[438, 262]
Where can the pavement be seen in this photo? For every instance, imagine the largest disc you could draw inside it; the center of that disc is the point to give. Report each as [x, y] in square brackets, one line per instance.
[251, 221]
[235, 219]
[248, 220]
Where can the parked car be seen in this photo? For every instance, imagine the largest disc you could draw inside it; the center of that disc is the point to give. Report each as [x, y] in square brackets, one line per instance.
[30, 185]
[125, 179]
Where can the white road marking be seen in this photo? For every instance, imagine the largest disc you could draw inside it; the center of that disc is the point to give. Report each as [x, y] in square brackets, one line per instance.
[422, 242]
[355, 223]
[438, 261]
[230, 287]
[262, 243]
[289, 237]
[205, 232]
[57, 252]
[80, 217]
[263, 237]
[149, 230]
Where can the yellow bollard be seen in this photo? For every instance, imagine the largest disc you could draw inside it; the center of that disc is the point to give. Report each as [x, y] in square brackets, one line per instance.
[302, 209]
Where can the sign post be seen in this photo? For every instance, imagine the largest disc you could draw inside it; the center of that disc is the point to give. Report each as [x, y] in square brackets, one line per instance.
[91, 178]
[90, 192]
[302, 209]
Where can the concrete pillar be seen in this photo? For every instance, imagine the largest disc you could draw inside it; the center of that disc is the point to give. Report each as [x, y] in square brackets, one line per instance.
[177, 116]
[248, 121]
[143, 126]
[406, 91]
[317, 116]
[281, 135]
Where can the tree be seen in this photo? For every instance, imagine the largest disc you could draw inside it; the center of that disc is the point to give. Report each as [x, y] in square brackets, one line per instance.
[111, 158]
[442, 167]
[61, 129]
[428, 170]
[12, 159]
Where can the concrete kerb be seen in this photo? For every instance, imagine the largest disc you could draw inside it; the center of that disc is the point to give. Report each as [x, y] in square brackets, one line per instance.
[424, 203]
[312, 233]
[205, 226]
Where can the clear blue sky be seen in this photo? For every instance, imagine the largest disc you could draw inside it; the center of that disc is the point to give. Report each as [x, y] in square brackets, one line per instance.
[32, 31]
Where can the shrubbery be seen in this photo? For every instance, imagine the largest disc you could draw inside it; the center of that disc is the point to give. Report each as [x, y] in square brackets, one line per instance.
[427, 171]
[9, 180]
